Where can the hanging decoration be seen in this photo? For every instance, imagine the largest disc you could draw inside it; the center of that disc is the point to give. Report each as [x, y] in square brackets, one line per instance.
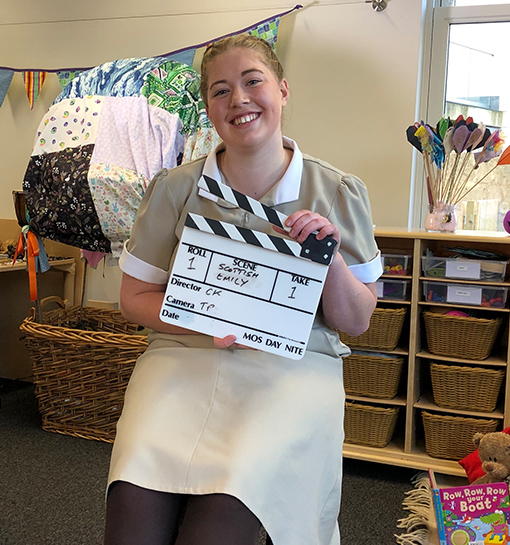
[33, 85]
[66, 76]
[110, 130]
[34, 79]
[268, 30]
[5, 82]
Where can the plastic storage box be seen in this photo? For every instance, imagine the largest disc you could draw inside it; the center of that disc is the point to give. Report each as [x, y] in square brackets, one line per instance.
[465, 294]
[396, 264]
[467, 269]
[389, 288]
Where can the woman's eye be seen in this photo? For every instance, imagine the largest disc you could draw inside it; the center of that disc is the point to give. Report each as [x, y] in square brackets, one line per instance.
[220, 92]
[253, 82]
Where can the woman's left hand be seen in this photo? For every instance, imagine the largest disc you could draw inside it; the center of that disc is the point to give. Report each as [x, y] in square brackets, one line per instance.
[304, 222]
[229, 342]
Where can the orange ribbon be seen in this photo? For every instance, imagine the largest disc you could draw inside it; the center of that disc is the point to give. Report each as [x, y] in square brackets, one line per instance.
[32, 252]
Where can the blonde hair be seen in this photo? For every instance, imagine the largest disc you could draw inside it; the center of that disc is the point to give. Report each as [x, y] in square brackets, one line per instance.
[230, 43]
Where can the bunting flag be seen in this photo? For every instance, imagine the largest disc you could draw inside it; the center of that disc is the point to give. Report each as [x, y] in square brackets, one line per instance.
[66, 76]
[5, 82]
[267, 31]
[187, 56]
[33, 85]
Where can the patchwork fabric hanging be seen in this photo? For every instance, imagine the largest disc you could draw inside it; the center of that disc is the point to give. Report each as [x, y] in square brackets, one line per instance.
[102, 140]
[111, 129]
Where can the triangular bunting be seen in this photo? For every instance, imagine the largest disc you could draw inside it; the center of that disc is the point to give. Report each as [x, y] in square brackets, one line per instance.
[267, 31]
[185, 57]
[66, 76]
[33, 85]
[5, 82]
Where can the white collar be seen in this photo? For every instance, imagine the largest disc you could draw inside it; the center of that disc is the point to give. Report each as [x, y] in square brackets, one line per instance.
[288, 185]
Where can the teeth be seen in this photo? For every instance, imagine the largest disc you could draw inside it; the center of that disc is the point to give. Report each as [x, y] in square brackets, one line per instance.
[245, 119]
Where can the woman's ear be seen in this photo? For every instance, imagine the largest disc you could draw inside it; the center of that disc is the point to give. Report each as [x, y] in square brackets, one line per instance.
[284, 89]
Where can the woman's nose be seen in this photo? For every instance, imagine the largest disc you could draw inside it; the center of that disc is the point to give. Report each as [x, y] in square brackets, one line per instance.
[239, 96]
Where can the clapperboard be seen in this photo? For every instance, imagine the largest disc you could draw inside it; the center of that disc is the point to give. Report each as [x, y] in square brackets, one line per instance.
[229, 280]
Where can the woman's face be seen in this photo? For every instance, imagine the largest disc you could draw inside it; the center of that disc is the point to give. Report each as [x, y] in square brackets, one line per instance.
[245, 100]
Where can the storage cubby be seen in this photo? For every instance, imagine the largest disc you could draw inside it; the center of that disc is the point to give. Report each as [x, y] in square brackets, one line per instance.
[415, 396]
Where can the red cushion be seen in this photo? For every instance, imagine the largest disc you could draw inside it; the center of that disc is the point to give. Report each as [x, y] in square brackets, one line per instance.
[472, 464]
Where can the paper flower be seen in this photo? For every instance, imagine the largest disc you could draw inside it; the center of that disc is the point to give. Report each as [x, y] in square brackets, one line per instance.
[452, 151]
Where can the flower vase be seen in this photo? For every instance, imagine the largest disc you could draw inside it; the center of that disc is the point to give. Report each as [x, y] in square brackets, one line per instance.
[441, 217]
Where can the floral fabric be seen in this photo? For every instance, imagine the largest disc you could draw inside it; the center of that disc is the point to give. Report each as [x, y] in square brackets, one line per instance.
[58, 199]
[117, 192]
[200, 143]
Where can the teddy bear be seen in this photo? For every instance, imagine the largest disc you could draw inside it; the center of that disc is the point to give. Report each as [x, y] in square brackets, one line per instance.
[494, 453]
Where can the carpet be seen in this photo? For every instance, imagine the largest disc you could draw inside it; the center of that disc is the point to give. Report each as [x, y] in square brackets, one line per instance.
[419, 526]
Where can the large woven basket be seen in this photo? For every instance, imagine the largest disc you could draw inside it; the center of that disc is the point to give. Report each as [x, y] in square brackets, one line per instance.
[383, 332]
[372, 375]
[451, 437]
[463, 387]
[460, 336]
[80, 375]
[369, 425]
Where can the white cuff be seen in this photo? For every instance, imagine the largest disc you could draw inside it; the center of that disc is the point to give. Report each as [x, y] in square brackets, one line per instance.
[141, 270]
[368, 272]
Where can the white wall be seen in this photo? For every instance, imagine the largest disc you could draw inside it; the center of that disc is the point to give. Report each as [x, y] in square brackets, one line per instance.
[353, 75]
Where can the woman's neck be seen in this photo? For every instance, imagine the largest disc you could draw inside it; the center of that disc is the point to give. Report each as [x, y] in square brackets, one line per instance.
[254, 174]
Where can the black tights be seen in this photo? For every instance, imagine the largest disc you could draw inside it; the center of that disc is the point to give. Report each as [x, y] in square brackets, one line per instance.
[138, 516]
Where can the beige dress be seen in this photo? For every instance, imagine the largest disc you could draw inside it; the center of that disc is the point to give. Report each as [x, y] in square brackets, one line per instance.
[263, 428]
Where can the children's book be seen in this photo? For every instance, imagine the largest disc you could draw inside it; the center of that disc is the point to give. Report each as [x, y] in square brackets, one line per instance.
[472, 514]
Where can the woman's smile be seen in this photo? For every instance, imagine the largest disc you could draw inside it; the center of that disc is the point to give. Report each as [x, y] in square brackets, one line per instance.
[241, 120]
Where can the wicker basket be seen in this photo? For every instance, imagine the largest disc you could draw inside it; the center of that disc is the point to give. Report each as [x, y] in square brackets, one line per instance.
[372, 375]
[80, 376]
[451, 437]
[460, 336]
[369, 425]
[383, 333]
[462, 387]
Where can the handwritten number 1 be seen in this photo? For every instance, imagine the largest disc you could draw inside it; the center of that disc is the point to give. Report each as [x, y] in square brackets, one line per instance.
[191, 268]
[293, 291]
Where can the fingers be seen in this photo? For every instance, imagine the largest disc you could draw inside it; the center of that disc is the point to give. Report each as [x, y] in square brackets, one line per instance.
[229, 341]
[304, 222]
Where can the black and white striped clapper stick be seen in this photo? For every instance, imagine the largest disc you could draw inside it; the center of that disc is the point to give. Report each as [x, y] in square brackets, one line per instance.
[241, 234]
[320, 251]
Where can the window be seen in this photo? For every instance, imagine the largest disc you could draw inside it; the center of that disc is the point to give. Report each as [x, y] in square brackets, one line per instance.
[473, 2]
[470, 48]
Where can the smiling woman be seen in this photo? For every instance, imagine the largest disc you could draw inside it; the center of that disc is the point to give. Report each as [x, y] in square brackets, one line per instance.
[216, 439]
[244, 97]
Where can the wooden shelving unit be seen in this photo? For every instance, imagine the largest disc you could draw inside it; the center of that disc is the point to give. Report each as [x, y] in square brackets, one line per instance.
[407, 447]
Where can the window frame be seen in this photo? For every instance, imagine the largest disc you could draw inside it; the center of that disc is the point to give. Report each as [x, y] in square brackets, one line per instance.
[436, 26]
